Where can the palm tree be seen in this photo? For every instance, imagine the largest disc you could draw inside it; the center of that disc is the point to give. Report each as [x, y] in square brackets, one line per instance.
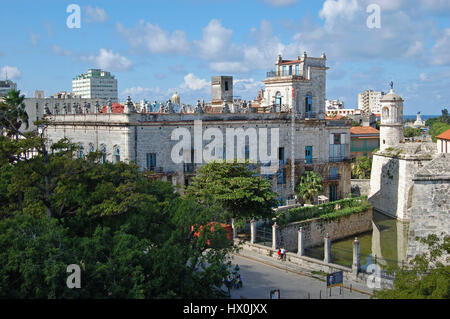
[12, 113]
[311, 184]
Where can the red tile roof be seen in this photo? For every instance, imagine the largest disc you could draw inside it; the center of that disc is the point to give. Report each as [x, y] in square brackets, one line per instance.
[444, 136]
[337, 117]
[360, 130]
[116, 108]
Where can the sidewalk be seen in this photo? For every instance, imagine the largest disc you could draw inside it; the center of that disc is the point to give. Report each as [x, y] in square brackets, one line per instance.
[287, 266]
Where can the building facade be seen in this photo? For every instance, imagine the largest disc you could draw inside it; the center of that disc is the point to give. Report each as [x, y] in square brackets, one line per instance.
[364, 140]
[443, 142]
[95, 84]
[369, 101]
[6, 86]
[296, 142]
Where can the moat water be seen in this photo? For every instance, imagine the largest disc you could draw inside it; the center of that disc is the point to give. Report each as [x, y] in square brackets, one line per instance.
[386, 244]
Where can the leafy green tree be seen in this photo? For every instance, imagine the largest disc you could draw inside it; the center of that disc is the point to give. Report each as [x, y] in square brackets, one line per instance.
[362, 168]
[234, 191]
[12, 113]
[133, 238]
[311, 184]
[411, 132]
[428, 278]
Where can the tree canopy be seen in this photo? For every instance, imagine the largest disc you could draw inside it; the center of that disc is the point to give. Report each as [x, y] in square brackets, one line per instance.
[311, 184]
[234, 190]
[428, 277]
[362, 168]
[132, 238]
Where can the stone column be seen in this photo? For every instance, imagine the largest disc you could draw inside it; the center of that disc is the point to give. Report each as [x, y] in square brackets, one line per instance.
[233, 226]
[356, 257]
[275, 229]
[327, 249]
[253, 231]
[301, 242]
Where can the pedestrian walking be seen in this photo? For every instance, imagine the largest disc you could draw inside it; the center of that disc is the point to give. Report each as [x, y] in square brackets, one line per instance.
[283, 254]
[279, 254]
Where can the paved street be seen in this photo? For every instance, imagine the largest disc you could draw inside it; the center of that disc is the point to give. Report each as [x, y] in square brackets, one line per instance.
[259, 279]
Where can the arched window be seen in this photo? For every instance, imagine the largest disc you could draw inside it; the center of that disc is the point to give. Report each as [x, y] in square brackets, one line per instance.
[91, 148]
[278, 99]
[308, 105]
[116, 154]
[385, 113]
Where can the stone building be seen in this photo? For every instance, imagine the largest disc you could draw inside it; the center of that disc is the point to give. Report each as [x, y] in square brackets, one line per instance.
[443, 142]
[364, 140]
[430, 209]
[393, 166]
[151, 138]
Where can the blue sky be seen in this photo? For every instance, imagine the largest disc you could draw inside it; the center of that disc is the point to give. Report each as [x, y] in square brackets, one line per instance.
[155, 48]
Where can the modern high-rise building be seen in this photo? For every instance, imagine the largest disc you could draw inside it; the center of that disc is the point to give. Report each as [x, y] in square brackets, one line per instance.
[369, 101]
[6, 86]
[95, 84]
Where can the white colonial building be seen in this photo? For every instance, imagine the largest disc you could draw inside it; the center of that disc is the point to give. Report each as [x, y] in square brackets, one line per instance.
[297, 141]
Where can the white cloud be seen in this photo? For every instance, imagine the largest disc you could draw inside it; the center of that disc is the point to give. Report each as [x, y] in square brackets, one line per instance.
[12, 72]
[153, 39]
[281, 3]
[216, 40]
[96, 14]
[334, 9]
[108, 60]
[441, 50]
[192, 82]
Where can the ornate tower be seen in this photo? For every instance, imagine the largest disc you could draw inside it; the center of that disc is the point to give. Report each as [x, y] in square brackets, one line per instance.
[391, 128]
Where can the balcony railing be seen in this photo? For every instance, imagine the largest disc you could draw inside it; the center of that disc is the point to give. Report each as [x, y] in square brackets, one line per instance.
[332, 177]
[310, 115]
[155, 170]
[190, 168]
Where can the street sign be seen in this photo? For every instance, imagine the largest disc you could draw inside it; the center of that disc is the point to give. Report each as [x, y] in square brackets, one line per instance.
[335, 279]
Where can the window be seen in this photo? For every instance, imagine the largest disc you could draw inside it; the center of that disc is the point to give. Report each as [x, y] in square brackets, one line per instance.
[308, 154]
[278, 99]
[337, 139]
[333, 172]
[116, 155]
[103, 150]
[297, 69]
[151, 161]
[81, 151]
[308, 105]
[290, 70]
[284, 70]
[226, 85]
[247, 152]
[91, 148]
[281, 155]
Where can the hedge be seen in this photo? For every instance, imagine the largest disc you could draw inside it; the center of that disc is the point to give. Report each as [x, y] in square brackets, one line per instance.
[326, 211]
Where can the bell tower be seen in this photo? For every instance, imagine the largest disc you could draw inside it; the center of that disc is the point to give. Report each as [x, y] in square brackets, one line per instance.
[391, 128]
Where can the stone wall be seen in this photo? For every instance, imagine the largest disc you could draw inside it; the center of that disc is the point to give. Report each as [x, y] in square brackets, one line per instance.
[310, 264]
[391, 184]
[430, 211]
[360, 187]
[140, 134]
[316, 229]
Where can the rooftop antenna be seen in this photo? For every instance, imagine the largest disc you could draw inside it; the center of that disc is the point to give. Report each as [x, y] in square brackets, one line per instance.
[6, 73]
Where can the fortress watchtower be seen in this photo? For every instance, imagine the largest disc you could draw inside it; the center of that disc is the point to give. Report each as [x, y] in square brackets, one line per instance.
[391, 128]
